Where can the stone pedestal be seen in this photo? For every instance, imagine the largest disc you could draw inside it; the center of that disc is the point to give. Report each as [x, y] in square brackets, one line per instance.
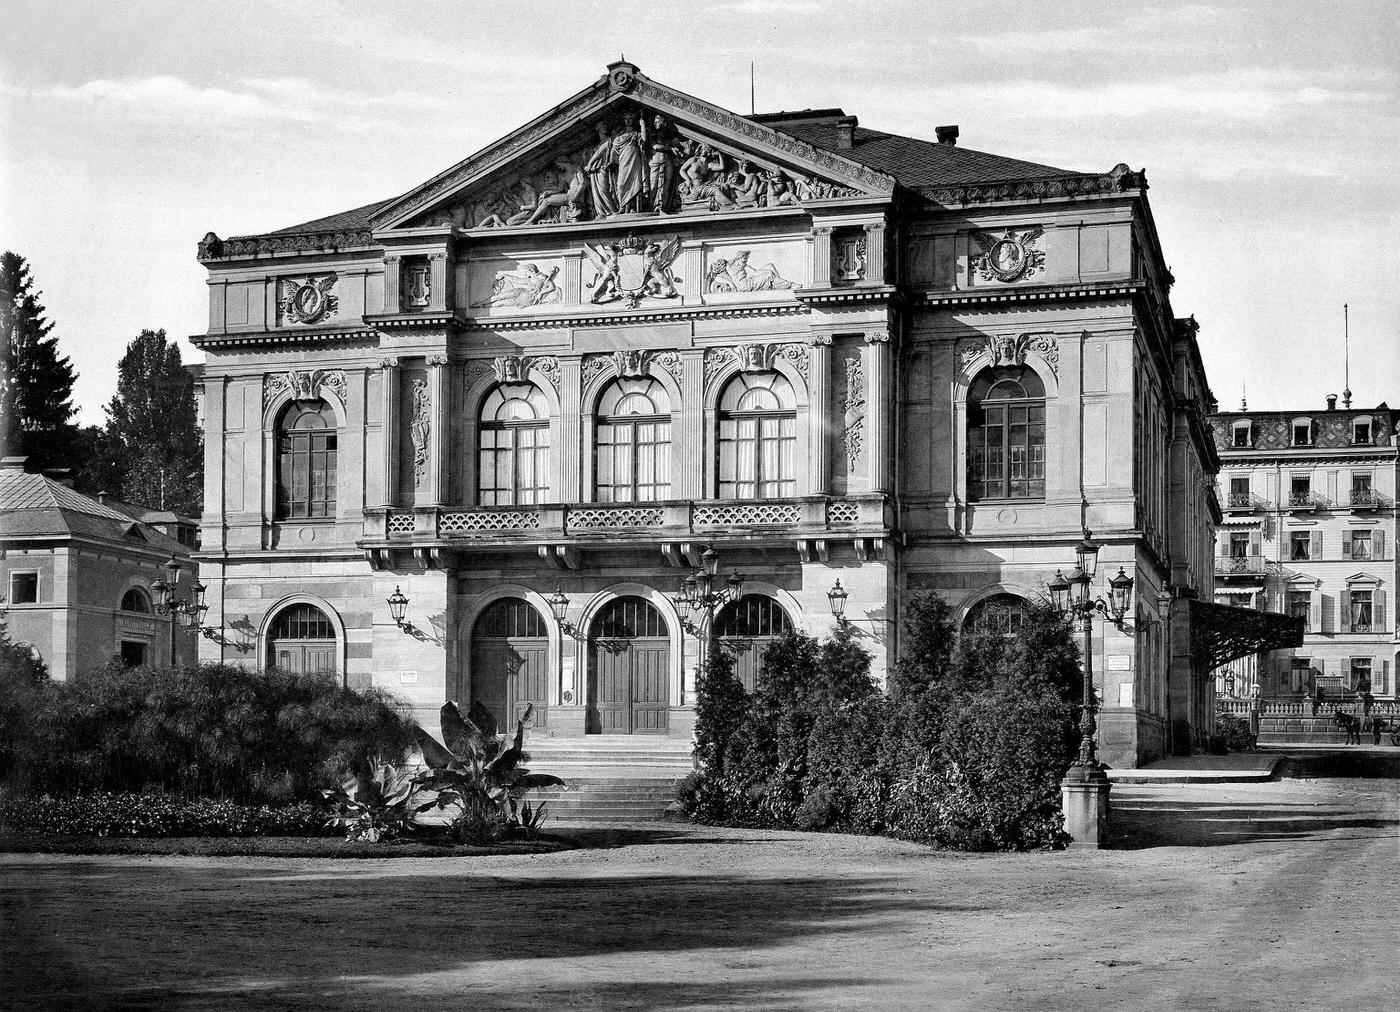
[567, 721]
[1084, 796]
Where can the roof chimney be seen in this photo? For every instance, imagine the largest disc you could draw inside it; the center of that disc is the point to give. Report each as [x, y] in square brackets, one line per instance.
[846, 131]
[947, 134]
[1331, 402]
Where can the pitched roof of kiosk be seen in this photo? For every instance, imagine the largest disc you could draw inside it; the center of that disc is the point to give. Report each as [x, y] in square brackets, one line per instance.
[33, 505]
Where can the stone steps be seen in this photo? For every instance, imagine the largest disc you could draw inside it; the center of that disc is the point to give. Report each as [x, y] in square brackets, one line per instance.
[608, 799]
[610, 778]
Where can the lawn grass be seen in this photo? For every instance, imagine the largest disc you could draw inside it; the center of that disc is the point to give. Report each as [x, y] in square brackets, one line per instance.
[266, 846]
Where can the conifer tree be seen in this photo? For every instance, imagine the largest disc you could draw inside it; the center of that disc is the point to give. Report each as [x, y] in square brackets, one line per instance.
[36, 381]
[152, 426]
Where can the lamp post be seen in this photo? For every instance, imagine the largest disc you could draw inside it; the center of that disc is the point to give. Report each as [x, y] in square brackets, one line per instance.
[559, 606]
[168, 602]
[1085, 788]
[704, 591]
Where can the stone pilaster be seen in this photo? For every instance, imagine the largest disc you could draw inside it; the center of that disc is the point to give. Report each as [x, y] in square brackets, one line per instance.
[393, 284]
[437, 282]
[389, 427]
[819, 415]
[875, 253]
[439, 436]
[876, 360]
[568, 478]
[821, 256]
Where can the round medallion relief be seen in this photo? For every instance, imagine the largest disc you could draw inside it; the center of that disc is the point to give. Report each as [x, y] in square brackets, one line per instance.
[1007, 516]
[306, 535]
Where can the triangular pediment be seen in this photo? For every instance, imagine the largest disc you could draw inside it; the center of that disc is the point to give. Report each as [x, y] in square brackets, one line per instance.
[621, 147]
[1362, 579]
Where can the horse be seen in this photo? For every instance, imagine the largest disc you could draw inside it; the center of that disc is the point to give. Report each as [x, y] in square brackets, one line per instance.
[1348, 723]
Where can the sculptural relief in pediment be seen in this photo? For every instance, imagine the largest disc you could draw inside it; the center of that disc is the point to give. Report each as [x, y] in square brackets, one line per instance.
[634, 163]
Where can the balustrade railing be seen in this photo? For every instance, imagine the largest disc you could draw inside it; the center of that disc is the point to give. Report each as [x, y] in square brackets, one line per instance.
[1369, 499]
[1307, 501]
[1246, 502]
[1240, 565]
[815, 514]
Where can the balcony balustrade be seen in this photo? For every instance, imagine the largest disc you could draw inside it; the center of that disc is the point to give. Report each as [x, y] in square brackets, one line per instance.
[1307, 501]
[810, 521]
[1245, 502]
[1239, 565]
[1365, 500]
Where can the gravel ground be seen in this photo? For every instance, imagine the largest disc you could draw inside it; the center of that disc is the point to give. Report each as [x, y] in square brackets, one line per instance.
[1248, 896]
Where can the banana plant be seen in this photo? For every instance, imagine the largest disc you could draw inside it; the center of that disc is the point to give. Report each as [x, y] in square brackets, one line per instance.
[373, 809]
[477, 773]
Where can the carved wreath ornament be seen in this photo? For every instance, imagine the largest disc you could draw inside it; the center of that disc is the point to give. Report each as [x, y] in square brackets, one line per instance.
[1012, 257]
[308, 300]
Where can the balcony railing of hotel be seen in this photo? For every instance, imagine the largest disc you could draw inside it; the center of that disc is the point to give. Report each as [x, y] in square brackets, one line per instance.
[1245, 502]
[676, 519]
[1239, 565]
[1307, 501]
[1365, 499]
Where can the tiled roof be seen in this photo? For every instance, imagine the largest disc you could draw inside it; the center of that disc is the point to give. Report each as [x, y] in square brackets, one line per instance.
[34, 506]
[915, 162]
[341, 222]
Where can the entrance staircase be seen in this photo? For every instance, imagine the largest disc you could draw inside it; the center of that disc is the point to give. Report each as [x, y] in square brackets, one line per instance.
[609, 778]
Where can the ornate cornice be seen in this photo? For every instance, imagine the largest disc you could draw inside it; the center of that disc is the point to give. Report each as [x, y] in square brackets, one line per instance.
[855, 293]
[302, 335]
[243, 247]
[614, 319]
[1120, 180]
[1036, 293]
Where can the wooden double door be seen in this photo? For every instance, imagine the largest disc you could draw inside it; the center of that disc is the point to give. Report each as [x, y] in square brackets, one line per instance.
[629, 670]
[510, 663]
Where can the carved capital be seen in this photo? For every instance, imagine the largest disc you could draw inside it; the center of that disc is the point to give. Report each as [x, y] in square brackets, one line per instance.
[874, 226]
[393, 259]
[877, 337]
[388, 362]
[439, 255]
[822, 230]
[819, 339]
[437, 360]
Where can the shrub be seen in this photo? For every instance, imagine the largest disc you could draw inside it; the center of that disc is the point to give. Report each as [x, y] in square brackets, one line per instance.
[219, 731]
[105, 813]
[1234, 734]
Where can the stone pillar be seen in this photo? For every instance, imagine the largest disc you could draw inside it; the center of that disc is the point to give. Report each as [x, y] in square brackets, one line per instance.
[437, 282]
[393, 284]
[1084, 796]
[876, 360]
[875, 253]
[821, 257]
[819, 417]
[439, 437]
[389, 427]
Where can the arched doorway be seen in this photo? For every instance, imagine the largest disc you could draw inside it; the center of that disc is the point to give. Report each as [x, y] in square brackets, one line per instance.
[629, 669]
[510, 662]
[746, 627]
[303, 641]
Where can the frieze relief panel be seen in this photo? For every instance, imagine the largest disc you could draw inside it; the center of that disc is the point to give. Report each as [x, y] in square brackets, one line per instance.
[770, 267]
[638, 162]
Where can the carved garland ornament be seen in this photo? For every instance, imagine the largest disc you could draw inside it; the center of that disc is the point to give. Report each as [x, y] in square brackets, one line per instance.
[307, 300]
[304, 385]
[853, 409]
[421, 427]
[1005, 350]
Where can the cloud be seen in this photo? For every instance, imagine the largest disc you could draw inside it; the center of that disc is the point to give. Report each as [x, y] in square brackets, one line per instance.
[248, 102]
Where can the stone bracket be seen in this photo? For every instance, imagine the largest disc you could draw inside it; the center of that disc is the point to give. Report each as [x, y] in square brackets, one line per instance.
[813, 549]
[561, 556]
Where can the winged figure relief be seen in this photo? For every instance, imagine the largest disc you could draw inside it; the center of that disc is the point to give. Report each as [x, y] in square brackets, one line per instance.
[1010, 257]
[633, 270]
[308, 300]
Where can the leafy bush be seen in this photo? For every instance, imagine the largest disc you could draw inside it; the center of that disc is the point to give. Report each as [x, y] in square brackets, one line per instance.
[1234, 733]
[371, 809]
[967, 751]
[219, 731]
[104, 813]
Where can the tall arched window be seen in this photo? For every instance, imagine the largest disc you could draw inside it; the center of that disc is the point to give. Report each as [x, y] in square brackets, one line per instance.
[633, 453]
[514, 446]
[1006, 435]
[302, 638]
[757, 437]
[306, 450]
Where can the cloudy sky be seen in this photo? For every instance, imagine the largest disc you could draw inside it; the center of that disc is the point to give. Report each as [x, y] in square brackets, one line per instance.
[1268, 131]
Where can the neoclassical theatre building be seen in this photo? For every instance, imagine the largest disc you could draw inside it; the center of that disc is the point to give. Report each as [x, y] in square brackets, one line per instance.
[642, 326]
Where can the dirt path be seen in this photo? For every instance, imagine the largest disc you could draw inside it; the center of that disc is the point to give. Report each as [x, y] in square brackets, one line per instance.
[1238, 897]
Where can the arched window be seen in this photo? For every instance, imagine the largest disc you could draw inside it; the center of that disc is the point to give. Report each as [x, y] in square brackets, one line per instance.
[998, 615]
[1006, 435]
[757, 437]
[747, 627]
[136, 600]
[633, 452]
[306, 449]
[302, 639]
[514, 446]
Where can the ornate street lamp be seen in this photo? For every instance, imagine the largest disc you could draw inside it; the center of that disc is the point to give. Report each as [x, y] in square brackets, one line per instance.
[398, 605]
[836, 596]
[1072, 596]
[559, 607]
[183, 611]
[698, 593]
